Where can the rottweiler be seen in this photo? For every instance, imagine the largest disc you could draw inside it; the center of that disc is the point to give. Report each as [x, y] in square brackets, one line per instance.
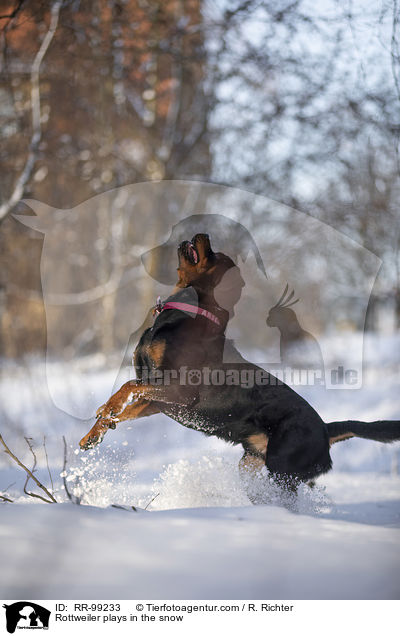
[187, 369]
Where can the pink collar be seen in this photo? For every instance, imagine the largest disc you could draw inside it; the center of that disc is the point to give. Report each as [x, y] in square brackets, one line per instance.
[191, 309]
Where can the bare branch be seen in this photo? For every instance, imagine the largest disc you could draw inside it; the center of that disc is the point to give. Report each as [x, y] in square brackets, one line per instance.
[394, 47]
[47, 463]
[13, 13]
[124, 507]
[64, 470]
[151, 500]
[28, 441]
[395, 60]
[22, 180]
[31, 475]
[6, 499]
[72, 498]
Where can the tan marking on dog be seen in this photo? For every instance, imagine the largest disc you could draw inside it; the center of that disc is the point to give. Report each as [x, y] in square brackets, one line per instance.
[339, 438]
[156, 352]
[141, 408]
[258, 443]
[119, 400]
[250, 464]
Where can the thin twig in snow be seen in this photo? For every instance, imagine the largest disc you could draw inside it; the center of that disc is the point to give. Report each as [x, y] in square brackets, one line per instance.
[31, 475]
[73, 498]
[47, 464]
[6, 499]
[28, 441]
[124, 507]
[151, 500]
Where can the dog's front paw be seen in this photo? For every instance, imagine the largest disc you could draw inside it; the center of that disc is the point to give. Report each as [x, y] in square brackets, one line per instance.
[111, 408]
[100, 410]
[96, 434]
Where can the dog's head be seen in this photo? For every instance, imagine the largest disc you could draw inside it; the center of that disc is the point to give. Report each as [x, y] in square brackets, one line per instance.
[214, 275]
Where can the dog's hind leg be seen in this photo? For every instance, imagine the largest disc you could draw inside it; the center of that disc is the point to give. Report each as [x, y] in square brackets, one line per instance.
[250, 467]
[250, 464]
[288, 487]
[258, 483]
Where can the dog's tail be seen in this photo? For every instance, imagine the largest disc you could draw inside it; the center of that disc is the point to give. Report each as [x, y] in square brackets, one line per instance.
[381, 431]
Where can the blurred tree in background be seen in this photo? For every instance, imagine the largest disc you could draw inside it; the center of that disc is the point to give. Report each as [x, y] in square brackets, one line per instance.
[287, 98]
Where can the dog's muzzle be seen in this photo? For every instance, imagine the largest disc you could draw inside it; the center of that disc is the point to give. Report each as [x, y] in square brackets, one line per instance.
[189, 252]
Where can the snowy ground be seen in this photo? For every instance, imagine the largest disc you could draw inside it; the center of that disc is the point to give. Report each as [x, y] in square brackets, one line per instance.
[199, 538]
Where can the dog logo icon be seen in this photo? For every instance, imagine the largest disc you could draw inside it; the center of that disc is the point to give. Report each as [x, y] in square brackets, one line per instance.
[26, 615]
